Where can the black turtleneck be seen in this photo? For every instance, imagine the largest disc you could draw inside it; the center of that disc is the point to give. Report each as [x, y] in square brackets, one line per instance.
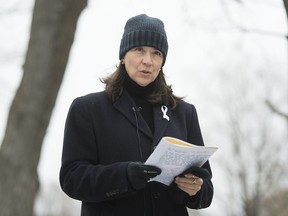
[140, 96]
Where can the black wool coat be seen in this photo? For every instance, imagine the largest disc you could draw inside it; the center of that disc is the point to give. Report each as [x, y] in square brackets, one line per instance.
[101, 138]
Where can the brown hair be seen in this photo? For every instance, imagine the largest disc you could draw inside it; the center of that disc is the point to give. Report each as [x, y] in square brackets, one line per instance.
[162, 94]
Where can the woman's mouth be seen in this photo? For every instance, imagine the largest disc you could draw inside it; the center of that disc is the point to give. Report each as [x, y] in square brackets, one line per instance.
[145, 72]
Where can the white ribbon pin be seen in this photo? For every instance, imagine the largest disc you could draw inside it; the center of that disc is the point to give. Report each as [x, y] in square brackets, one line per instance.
[164, 110]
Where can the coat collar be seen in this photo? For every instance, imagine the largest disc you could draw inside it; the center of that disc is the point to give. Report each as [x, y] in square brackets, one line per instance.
[128, 108]
[125, 105]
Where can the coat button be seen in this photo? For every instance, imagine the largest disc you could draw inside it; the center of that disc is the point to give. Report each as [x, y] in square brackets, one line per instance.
[157, 195]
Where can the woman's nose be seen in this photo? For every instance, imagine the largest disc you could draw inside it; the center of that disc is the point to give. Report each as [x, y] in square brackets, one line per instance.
[147, 59]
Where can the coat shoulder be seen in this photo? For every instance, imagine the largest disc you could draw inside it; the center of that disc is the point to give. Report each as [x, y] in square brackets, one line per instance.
[183, 105]
[92, 101]
[93, 98]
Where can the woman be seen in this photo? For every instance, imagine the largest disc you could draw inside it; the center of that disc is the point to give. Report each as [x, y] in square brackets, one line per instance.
[109, 134]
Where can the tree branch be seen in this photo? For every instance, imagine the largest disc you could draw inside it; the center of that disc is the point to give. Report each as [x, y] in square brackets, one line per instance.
[274, 109]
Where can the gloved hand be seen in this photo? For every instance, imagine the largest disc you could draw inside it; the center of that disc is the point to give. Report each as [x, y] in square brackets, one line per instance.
[180, 196]
[197, 171]
[139, 173]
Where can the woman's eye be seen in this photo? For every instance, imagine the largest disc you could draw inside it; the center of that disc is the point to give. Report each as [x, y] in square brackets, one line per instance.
[138, 49]
[158, 53]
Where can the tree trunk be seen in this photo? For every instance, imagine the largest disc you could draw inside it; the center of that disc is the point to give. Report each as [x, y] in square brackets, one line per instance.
[286, 7]
[52, 34]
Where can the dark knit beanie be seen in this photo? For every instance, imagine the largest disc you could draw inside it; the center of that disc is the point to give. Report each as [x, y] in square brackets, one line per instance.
[143, 30]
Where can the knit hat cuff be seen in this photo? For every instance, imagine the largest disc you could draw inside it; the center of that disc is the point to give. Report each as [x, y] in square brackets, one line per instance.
[144, 38]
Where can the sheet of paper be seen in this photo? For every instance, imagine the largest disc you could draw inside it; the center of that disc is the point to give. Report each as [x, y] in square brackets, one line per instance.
[174, 159]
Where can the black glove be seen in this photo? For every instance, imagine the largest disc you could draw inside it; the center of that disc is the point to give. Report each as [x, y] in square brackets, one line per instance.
[197, 171]
[139, 173]
[180, 196]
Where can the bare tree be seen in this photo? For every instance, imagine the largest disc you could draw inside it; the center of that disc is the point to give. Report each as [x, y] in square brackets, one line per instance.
[253, 171]
[255, 151]
[254, 141]
[52, 34]
[274, 108]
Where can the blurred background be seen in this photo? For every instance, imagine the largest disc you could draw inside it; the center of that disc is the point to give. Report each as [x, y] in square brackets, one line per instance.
[227, 57]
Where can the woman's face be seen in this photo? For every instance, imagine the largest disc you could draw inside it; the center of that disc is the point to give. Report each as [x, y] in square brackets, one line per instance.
[143, 64]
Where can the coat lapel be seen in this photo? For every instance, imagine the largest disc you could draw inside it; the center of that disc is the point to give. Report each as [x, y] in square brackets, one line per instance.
[125, 105]
[162, 116]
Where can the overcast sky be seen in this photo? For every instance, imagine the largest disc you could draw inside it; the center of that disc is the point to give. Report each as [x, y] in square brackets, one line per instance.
[201, 36]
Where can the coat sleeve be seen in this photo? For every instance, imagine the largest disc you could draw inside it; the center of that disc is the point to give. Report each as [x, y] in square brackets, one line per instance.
[204, 197]
[81, 176]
